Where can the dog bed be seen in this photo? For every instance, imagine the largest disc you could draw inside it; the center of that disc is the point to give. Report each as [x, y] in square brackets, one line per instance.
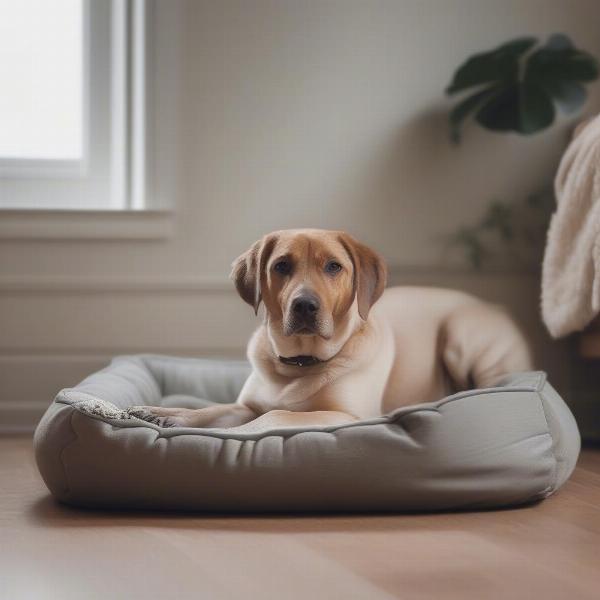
[507, 445]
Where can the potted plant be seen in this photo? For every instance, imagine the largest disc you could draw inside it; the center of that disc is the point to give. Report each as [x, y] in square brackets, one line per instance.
[518, 87]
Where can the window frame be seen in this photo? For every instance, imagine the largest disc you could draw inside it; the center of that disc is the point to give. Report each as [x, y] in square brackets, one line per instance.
[115, 124]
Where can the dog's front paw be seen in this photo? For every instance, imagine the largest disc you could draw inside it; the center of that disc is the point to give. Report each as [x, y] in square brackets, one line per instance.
[151, 414]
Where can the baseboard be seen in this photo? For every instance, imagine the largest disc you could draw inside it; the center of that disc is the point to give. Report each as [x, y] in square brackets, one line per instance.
[41, 376]
[35, 376]
[21, 417]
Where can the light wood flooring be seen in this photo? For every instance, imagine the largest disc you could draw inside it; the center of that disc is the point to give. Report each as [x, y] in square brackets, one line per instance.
[550, 550]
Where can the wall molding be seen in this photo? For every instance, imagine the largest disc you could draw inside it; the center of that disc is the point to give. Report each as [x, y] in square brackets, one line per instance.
[30, 224]
[109, 285]
[74, 284]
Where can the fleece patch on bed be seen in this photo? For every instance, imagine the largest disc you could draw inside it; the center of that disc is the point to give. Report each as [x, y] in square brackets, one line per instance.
[511, 444]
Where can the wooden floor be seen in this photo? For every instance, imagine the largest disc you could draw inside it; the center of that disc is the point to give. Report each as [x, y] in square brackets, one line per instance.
[551, 550]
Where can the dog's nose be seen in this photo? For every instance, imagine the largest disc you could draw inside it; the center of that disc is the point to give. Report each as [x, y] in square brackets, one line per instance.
[305, 306]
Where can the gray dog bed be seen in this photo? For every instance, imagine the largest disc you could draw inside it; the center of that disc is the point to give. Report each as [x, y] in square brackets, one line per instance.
[502, 446]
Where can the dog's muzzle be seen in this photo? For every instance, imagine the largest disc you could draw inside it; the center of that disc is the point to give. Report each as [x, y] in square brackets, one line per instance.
[303, 315]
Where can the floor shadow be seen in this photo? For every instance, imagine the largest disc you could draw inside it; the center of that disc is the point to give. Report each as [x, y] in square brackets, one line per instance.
[46, 512]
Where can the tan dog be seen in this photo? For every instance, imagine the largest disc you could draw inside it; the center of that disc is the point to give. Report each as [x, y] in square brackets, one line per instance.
[326, 354]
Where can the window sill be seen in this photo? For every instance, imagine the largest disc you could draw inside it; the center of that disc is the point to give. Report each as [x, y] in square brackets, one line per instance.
[23, 224]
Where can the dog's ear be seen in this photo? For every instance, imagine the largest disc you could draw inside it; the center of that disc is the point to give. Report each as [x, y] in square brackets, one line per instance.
[248, 271]
[370, 273]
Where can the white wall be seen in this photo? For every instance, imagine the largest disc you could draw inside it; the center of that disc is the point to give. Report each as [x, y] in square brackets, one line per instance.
[284, 113]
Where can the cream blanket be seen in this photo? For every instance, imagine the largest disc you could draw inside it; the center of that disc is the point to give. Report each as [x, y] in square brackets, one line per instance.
[571, 269]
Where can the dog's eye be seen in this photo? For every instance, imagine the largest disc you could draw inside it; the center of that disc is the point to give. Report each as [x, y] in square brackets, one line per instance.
[283, 267]
[333, 267]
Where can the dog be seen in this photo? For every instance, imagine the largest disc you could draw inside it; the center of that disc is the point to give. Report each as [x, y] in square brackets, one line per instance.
[335, 346]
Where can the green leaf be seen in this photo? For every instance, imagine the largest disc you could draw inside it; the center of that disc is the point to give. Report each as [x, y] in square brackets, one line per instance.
[501, 112]
[499, 218]
[521, 107]
[558, 41]
[499, 64]
[536, 110]
[568, 95]
[463, 109]
[522, 98]
[566, 64]
[474, 248]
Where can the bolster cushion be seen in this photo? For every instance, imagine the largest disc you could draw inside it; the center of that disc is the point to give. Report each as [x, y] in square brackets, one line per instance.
[510, 444]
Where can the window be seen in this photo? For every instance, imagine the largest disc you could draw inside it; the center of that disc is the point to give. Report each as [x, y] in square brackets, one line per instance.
[73, 104]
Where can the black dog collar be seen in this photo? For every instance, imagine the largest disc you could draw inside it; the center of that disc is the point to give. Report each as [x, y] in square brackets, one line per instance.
[300, 361]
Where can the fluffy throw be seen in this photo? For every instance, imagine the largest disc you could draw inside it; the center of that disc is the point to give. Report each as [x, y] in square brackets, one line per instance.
[571, 268]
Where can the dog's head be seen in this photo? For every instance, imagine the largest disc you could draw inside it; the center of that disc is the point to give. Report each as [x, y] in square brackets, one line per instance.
[309, 279]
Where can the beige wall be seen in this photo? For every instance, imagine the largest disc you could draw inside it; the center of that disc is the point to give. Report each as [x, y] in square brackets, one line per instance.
[274, 114]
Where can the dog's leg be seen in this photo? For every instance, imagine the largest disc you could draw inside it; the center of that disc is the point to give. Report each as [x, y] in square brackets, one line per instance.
[275, 419]
[480, 343]
[297, 395]
[220, 415]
